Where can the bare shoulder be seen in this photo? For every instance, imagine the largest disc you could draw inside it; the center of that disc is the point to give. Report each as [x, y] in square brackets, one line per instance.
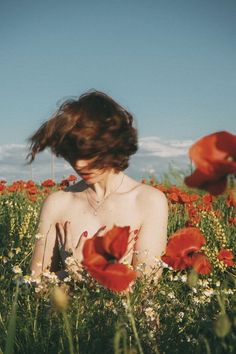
[152, 205]
[54, 202]
[150, 197]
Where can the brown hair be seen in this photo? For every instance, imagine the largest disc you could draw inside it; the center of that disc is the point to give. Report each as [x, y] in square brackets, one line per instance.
[92, 126]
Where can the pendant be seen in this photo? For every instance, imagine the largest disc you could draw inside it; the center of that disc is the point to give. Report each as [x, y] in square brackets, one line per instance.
[95, 213]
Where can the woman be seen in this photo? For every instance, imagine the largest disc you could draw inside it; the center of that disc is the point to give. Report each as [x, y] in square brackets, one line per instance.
[96, 136]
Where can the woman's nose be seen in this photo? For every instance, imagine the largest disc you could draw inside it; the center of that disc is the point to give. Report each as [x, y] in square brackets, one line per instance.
[81, 163]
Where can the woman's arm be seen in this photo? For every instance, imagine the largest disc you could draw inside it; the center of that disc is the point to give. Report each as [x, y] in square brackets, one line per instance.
[46, 255]
[152, 237]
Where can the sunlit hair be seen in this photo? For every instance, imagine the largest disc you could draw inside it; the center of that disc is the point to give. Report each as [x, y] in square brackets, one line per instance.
[92, 126]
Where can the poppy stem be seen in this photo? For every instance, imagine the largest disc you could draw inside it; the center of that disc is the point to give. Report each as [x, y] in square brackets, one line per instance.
[68, 331]
[133, 325]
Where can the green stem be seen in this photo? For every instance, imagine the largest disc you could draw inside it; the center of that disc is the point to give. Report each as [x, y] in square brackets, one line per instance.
[9, 348]
[221, 302]
[68, 330]
[133, 325]
[35, 320]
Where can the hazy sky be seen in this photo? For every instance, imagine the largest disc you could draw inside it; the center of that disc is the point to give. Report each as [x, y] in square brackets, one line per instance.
[171, 63]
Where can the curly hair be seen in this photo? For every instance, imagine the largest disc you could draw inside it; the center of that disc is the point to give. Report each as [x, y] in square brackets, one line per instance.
[94, 125]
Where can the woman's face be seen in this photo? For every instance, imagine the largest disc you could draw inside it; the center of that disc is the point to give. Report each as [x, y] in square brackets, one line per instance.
[89, 175]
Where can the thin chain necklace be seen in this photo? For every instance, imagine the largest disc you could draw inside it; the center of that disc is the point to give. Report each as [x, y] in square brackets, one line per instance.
[102, 201]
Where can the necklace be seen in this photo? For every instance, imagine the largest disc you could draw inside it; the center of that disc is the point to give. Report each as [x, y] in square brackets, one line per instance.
[102, 201]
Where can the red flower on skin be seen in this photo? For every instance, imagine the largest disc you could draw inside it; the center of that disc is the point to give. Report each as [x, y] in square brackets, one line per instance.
[201, 263]
[211, 156]
[181, 247]
[226, 256]
[101, 256]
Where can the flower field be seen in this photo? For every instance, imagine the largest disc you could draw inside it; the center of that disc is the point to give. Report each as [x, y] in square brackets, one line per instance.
[191, 309]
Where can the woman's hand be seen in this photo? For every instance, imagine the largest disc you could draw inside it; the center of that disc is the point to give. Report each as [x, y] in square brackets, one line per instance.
[64, 239]
[133, 236]
[66, 248]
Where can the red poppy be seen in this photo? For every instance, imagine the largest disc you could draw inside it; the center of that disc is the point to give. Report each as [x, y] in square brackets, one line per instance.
[161, 187]
[173, 189]
[64, 183]
[173, 197]
[232, 221]
[201, 263]
[231, 201]
[101, 256]
[13, 188]
[71, 178]
[33, 198]
[48, 183]
[207, 198]
[184, 197]
[152, 181]
[2, 187]
[181, 247]
[226, 256]
[217, 213]
[30, 184]
[194, 197]
[213, 156]
[194, 217]
[47, 191]
[205, 207]
[33, 190]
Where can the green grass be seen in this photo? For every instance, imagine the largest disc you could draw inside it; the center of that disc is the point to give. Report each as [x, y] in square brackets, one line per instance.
[181, 313]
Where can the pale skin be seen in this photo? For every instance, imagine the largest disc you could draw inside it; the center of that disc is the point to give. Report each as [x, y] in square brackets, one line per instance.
[66, 215]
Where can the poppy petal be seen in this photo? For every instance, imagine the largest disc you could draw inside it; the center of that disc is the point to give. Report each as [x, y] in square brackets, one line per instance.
[116, 277]
[115, 241]
[217, 146]
[201, 264]
[226, 256]
[181, 246]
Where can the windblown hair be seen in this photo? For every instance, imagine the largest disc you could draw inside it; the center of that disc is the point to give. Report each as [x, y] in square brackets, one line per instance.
[92, 126]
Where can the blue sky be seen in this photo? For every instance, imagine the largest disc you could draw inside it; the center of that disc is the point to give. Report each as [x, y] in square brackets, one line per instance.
[171, 63]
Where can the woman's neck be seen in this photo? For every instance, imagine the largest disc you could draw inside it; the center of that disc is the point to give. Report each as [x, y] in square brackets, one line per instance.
[107, 184]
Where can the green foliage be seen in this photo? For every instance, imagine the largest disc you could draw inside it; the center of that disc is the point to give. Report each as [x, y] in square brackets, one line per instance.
[183, 312]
